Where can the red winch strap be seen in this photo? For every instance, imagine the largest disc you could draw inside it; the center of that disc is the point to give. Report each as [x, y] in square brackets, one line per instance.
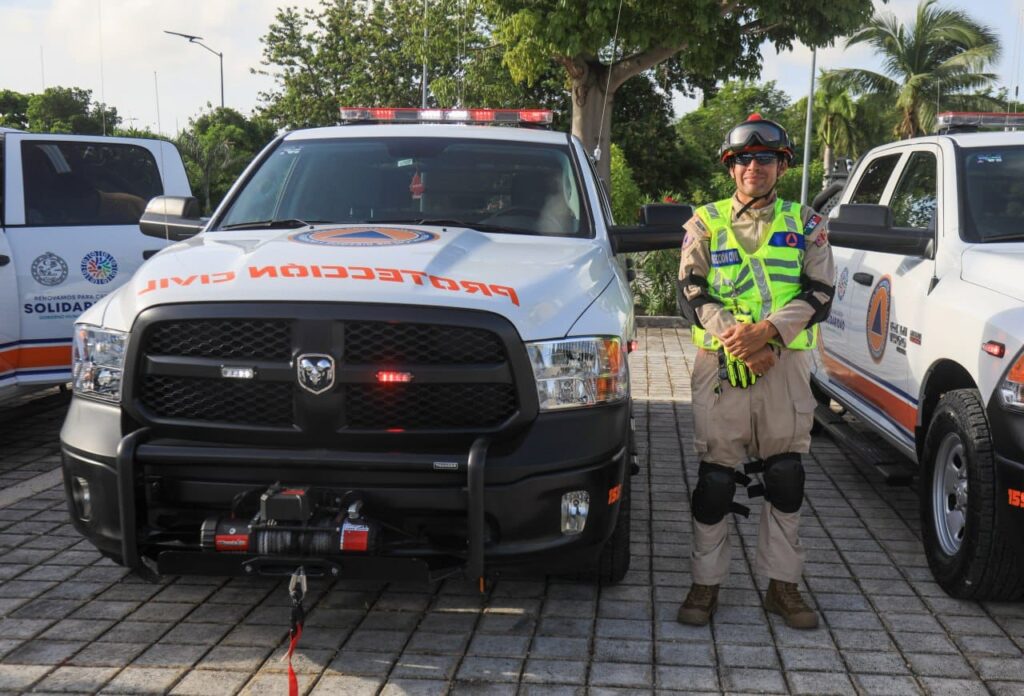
[293, 681]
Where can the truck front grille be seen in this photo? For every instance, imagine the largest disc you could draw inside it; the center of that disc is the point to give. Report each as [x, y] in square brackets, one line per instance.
[243, 403]
[462, 378]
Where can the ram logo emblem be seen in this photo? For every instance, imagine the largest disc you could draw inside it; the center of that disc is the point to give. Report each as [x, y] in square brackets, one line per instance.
[316, 372]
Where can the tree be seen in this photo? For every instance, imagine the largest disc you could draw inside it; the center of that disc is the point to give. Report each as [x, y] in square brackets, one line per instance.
[836, 115]
[602, 43]
[643, 128]
[358, 53]
[69, 110]
[13, 109]
[940, 57]
[216, 146]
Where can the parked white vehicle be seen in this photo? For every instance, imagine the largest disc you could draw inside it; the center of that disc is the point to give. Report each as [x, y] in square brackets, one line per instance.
[394, 351]
[924, 342]
[69, 234]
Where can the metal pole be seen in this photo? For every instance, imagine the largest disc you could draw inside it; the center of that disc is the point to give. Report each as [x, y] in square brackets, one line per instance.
[221, 56]
[423, 79]
[806, 179]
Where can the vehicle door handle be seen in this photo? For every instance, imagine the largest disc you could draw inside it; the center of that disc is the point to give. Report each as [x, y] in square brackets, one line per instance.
[150, 253]
[863, 278]
[4, 260]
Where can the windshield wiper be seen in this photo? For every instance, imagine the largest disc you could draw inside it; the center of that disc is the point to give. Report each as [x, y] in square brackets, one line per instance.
[282, 224]
[454, 222]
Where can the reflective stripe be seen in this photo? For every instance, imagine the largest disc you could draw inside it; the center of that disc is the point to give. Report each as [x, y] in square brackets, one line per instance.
[762, 285]
[712, 211]
[791, 224]
[781, 278]
[781, 263]
[740, 289]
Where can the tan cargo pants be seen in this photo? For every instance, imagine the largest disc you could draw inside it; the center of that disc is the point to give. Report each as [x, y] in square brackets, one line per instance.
[733, 426]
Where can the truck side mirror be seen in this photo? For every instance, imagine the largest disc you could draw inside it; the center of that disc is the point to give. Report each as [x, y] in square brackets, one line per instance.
[171, 217]
[869, 227]
[661, 228]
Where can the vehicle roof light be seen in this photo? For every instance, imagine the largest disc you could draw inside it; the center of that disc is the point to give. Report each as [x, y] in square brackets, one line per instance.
[350, 114]
[977, 119]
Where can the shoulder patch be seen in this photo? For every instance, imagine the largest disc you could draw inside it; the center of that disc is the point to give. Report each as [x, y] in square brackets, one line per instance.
[822, 238]
[811, 223]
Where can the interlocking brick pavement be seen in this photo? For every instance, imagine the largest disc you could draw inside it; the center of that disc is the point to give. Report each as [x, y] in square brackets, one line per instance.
[72, 622]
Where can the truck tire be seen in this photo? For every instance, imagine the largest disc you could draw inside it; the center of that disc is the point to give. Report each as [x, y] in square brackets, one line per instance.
[966, 551]
[613, 563]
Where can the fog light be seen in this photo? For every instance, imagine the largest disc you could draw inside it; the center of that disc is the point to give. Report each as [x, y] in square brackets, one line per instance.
[575, 506]
[80, 495]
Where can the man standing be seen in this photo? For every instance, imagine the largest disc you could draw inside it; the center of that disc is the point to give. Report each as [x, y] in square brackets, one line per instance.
[757, 276]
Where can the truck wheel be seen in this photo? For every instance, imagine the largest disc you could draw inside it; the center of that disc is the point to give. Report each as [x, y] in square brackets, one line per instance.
[957, 491]
[613, 563]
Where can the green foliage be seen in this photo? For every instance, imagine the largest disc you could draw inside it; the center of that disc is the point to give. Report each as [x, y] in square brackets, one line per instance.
[13, 109]
[216, 147]
[642, 127]
[69, 110]
[940, 56]
[625, 194]
[361, 53]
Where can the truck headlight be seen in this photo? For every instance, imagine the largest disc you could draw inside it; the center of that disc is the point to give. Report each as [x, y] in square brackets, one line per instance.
[579, 372]
[1012, 387]
[97, 357]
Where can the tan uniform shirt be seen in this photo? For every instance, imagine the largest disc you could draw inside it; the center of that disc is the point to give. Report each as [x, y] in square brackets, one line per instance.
[752, 231]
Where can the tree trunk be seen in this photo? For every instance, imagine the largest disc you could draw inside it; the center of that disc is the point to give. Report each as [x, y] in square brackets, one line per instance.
[589, 99]
[828, 159]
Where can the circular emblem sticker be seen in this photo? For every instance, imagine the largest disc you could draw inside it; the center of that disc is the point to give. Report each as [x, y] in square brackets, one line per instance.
[364, 237]
[878, 318]
[844, 278]
[99, 267]
[49, 269]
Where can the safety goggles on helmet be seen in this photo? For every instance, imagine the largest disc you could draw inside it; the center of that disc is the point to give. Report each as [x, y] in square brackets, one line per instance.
[756, 133]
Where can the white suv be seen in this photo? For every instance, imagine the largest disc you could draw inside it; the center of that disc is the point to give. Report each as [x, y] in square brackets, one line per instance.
[925, 338]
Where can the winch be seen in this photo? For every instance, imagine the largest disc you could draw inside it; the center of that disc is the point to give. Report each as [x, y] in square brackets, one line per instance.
[291, 522]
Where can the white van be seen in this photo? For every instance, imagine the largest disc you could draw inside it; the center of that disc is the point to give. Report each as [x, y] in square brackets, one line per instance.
[69, 234]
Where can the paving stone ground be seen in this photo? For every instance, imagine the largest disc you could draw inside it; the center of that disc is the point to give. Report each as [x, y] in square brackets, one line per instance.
[73, 622]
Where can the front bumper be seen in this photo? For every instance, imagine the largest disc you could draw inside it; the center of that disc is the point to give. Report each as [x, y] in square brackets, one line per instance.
[500, 500]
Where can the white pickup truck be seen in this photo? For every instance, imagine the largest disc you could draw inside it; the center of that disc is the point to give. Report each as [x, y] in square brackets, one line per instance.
[69, 234]
[394, 351]
[924, 342]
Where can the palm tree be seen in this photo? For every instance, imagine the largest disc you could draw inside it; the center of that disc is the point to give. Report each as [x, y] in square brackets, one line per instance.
[836, 113]
[938, 58]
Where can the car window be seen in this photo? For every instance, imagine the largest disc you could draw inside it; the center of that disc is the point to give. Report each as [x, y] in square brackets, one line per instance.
[87, 183]
[992, 189]
[527, 187]
[914, 199]
[876, 175]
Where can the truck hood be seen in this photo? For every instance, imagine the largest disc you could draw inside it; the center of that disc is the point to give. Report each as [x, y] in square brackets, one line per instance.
[998, 267]
[541, 284]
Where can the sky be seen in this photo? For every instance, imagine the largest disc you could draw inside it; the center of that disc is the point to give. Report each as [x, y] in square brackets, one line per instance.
[117, 49]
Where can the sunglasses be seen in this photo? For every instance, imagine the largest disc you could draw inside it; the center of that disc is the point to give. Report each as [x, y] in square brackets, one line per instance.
[745, 158]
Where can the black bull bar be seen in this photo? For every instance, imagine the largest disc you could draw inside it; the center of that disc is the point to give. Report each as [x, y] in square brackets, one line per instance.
[129, 492]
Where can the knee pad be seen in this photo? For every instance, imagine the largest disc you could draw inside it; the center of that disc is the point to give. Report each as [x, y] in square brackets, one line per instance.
[784, 481]
[712, 498]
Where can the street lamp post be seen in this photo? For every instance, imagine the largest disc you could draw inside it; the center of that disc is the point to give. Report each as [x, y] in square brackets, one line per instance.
[198, 40]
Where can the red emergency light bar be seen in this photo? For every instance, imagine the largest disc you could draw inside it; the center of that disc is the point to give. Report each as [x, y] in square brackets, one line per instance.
[541, 117]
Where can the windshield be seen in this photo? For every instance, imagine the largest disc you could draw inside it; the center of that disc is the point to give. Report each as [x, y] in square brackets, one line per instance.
[993, 179]
[515, 187]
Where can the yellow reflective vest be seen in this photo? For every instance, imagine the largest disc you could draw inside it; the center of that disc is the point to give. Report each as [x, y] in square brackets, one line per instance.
[754, 285]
